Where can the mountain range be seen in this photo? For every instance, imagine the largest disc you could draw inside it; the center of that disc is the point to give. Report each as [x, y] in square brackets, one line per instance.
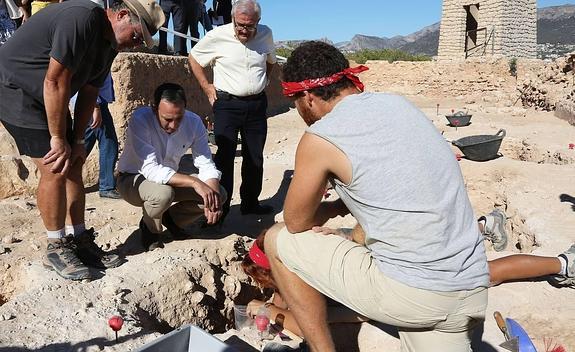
[555, 28]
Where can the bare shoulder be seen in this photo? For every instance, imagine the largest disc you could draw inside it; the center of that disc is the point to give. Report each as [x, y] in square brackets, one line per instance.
[316, 152]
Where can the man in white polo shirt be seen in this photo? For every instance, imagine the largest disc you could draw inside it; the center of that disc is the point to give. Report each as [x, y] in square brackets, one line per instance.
[242, 54]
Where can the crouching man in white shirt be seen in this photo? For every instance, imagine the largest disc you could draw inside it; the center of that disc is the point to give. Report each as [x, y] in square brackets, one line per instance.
[156, 139]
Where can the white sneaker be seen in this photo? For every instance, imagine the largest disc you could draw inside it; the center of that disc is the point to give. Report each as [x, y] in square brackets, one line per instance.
[569, 279]
[494, 229]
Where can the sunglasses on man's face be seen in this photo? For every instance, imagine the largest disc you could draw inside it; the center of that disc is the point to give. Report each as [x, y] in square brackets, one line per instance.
[245, 27]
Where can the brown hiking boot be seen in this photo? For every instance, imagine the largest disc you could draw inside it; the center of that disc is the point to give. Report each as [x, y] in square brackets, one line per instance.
[61, 257]
[91, 254]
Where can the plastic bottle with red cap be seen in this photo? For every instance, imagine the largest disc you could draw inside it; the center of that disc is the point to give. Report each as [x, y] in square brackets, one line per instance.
[262, 321]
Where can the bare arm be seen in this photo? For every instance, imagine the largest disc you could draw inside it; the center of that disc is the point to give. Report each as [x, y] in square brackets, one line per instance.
[316, 161]
[210, 195]
[200, 75]
[280, 315]
[56, 96]
[285, 319]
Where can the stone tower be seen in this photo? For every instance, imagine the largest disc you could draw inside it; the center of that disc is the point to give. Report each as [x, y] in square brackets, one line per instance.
[488, 28]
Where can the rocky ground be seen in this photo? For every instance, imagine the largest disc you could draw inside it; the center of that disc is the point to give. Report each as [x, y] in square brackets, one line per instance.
[198, 280]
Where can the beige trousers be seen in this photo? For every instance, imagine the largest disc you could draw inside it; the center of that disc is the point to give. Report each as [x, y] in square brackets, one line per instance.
[343, 270]
[184, 204]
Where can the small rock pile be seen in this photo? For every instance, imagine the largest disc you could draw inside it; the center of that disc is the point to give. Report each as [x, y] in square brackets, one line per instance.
[552, 88]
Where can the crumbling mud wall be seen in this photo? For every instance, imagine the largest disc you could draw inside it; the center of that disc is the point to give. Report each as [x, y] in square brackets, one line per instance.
[552, 89]
[136, 76]
[476, 80]
[551, 86]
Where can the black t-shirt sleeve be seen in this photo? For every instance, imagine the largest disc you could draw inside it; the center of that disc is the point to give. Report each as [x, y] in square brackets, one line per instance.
[74, 32]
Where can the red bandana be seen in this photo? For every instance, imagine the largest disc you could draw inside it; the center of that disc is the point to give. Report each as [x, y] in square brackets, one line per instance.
[291, 88]
[259, 257]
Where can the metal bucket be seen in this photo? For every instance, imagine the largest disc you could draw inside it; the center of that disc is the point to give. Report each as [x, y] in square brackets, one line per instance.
[480, 147]
[459, 119]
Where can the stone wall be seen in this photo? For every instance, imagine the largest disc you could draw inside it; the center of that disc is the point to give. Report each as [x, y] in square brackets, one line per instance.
[136, 76]
[476, 80]
[511, 28]
[553, 89]
[480, 81]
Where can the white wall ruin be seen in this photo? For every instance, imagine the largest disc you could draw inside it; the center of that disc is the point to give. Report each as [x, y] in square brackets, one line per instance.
[488, 28]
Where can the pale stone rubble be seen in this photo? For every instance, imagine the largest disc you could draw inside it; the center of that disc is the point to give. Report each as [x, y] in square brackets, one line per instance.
[553, 89]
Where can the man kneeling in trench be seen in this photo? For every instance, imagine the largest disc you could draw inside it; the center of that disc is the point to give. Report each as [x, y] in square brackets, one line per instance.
[423, 268]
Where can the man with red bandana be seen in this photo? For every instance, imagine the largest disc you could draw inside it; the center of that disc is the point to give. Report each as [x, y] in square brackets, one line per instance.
[420, 263]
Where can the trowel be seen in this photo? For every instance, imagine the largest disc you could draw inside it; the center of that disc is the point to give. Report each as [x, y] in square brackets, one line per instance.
[516, 339]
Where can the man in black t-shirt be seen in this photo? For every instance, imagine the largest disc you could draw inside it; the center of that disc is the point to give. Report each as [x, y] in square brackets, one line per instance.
[64, 49]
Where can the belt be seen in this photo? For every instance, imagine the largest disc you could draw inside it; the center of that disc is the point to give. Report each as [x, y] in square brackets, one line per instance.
[227, 96]
[121, 174]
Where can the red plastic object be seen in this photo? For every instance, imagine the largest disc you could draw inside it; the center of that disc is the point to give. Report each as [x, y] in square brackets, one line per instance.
[116, 322]
[262, 322]
[571, 146]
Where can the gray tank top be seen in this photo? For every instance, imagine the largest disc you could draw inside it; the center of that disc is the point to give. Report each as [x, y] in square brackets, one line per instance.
[407, 192]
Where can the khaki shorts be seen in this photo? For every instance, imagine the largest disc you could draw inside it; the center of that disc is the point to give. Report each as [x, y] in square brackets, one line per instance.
[345, 271]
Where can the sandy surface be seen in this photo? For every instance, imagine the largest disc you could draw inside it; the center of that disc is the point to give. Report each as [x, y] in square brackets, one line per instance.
[197, 280]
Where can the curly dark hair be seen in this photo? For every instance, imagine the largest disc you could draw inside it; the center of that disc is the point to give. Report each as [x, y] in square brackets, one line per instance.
[315, 59]
[261, 276]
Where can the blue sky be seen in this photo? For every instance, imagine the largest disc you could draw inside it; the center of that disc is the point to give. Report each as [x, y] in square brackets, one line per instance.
[340, 20]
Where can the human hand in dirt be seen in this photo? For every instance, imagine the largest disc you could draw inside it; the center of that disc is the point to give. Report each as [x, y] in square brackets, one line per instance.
[58, 156]
[253, 307]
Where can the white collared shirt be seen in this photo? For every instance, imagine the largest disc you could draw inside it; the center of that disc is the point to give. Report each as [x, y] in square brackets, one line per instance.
[152, 152]
[239, 69]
